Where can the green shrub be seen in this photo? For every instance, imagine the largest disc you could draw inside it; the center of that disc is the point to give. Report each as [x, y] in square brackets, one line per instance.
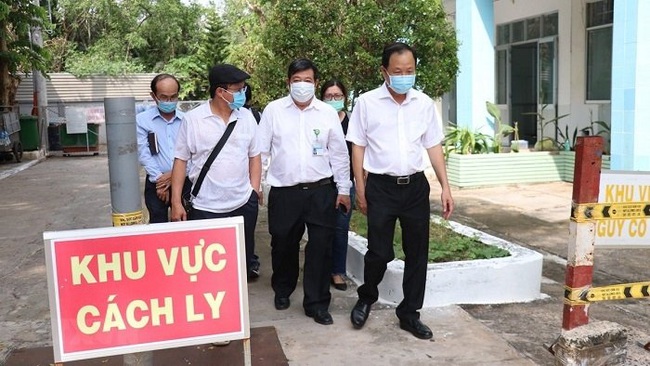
[445, 245]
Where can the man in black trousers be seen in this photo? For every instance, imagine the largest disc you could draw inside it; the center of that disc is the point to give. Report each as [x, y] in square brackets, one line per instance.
[390, 128]
[309, 175]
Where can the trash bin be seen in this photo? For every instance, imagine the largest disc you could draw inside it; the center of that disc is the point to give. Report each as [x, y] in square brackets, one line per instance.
[53, 137]
[29, 132]
[79, 142]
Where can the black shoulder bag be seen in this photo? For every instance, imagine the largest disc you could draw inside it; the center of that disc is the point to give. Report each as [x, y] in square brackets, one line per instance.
[188, 197]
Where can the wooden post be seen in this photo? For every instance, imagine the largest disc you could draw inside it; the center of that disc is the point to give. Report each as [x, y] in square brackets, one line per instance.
[580, 258]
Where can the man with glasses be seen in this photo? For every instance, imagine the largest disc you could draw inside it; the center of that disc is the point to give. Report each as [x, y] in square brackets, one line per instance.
[309, 175]
[390, 127]
[156, 133]
[232, 184]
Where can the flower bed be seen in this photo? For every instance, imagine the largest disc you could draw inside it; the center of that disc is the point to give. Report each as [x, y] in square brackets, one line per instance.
[516, 278]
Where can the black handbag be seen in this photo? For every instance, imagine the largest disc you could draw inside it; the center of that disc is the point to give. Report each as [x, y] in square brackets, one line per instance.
[187, 198]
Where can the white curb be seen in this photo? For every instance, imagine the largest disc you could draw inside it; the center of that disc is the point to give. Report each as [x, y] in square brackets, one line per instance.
[516, 278]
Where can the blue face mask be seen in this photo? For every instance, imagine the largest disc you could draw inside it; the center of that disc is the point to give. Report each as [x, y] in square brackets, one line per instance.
[238, 99]
[401, 84]
[167, 107]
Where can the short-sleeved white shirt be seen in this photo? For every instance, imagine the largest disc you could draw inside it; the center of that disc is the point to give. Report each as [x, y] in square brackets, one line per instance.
[394, 135]
[290, 134]
[227, 185]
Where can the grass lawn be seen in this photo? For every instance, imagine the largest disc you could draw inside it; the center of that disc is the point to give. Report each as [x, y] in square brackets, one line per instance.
[445, 245]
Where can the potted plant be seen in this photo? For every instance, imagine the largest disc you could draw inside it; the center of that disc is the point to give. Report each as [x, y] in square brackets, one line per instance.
[462, 140]
[501, 130]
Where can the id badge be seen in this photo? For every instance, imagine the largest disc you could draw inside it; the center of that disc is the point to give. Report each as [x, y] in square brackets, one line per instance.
[317, 149]
[316, 146]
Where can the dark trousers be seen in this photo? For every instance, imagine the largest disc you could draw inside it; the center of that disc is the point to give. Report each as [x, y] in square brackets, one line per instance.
[388, 201]
[158, 209]
[289, 211]
[340, 245]
[249, 211]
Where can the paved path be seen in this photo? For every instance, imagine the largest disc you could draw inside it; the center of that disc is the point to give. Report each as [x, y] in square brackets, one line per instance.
[73, 193]
[64, 193]
[537, 216]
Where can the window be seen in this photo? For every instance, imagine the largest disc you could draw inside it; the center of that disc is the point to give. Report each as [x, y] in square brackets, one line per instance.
[547, 72]
[518, 31]
[532, 28]
[503, 34]
[541, 29]
[502, 76]
[600, 16]
[549, 25]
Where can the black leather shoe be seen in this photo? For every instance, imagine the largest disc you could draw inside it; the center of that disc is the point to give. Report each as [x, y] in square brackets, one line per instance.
[321, 316]
[416, 327]
[359, 314]
[282, 303]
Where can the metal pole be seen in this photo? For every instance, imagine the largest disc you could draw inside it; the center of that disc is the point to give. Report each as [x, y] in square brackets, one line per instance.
[123, 170]
[123, 165]
[580, 258]
[40, 91]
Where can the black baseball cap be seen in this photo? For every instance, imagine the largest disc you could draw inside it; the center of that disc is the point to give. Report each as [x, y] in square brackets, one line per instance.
[226, 74]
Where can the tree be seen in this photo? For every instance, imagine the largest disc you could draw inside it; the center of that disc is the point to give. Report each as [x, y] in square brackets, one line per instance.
[122, 36]
[345, 39]
[192, 69]
[246, 21]
[17, 53]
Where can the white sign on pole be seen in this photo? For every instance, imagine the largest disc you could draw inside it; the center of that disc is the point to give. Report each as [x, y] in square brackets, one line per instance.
[76, 121]
[623, 187]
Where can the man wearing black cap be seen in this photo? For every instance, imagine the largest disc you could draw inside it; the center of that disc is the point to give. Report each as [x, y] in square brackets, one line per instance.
[232, 184]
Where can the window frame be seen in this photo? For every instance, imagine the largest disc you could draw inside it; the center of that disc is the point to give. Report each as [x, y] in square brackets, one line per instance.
[588, 30]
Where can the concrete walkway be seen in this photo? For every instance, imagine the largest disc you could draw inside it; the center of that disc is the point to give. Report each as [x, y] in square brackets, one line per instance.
[63, 193]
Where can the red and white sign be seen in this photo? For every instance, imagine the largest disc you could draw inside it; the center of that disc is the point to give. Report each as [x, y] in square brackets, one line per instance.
[623, 187]
[139, 288]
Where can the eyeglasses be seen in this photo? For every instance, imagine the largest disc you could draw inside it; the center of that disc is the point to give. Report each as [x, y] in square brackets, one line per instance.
[327, 97]
[167, 98]
[240, 90]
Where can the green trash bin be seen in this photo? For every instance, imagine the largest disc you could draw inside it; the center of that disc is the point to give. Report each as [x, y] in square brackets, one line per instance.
[29, 132]
[80, 142]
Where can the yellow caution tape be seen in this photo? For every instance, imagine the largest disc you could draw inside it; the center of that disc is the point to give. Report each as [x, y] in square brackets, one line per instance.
[128, 219]
[605, 211]
[574, 296]
[635, 290]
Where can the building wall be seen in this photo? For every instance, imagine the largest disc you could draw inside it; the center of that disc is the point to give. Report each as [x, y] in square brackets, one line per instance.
[571, 63]
[66, 88]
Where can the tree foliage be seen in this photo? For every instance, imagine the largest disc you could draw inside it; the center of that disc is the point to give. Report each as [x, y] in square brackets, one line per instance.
[17, 53]
[115, 37]
[192, 69]
[122, 36]
[345, 39]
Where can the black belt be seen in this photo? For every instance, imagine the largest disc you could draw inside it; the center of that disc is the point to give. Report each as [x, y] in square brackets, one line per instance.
[403, 180]
[312, 185]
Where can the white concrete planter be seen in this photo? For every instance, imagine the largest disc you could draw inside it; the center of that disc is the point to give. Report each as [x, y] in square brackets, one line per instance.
[516, 278]
[478, 170]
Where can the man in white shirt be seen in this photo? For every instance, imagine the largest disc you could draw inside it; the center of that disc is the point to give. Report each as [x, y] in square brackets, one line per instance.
[232, 184]
[156, 132]
[309, 175]
[389, 128]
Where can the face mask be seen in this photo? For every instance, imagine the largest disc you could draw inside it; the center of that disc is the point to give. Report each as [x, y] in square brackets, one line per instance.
[336, 104]
[401, 83]
[302, 91]
[238, 99]
[167, 107]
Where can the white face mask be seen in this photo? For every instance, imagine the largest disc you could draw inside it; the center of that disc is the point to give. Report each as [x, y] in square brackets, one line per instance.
[302, 91]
